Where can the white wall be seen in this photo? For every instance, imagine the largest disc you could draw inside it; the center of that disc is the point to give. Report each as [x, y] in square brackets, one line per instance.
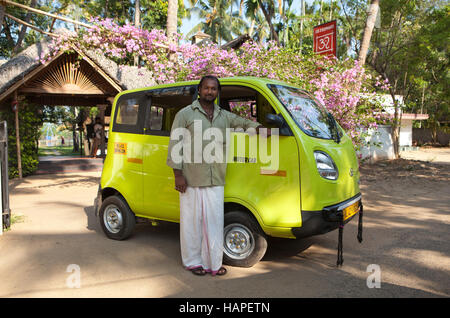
[406, 133]
[385, 150]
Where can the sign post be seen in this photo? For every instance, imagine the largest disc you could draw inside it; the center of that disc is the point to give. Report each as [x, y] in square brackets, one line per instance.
[324, 37]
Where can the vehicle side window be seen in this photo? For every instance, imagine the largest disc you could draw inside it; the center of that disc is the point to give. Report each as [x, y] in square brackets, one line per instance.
[165, 103]
[246, 102]
[156, 118]
[128, 112]
[130, 109]
[244, 108]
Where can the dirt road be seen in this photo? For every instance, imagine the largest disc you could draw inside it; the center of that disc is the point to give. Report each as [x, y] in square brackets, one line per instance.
[406, 235]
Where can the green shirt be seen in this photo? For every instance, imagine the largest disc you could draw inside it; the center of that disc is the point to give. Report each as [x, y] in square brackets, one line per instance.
[197, 171]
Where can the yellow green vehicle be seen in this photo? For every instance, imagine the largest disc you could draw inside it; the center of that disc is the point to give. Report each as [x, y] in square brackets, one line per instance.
[311, 189]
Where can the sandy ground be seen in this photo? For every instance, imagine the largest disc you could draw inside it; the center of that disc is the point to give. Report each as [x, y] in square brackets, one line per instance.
[406, 236]
[434, 155]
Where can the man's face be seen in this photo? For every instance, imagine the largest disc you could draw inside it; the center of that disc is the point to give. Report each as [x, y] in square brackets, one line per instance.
[209, 90]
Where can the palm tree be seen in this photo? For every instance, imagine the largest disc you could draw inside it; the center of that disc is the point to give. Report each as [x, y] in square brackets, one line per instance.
[219, 20]
[261, 31]
[269, 8]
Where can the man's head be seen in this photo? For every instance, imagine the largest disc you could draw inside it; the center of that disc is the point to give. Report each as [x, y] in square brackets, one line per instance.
[208, 88]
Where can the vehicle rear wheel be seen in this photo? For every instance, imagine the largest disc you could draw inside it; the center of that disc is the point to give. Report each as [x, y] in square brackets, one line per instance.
[244, 241]
[116, 218]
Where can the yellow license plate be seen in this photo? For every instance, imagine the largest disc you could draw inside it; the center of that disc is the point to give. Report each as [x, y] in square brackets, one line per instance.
[351, 210]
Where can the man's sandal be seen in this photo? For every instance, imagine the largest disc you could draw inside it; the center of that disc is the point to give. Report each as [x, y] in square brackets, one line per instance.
[222, 271]
[198, 271]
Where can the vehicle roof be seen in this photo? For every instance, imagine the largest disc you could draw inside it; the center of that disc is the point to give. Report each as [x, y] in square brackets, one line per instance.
[255, 80]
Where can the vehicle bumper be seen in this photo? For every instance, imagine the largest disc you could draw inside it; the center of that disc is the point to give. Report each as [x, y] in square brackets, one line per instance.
[321, 222]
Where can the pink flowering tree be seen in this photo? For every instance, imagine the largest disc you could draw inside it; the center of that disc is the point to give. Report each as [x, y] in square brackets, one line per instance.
[343, 87]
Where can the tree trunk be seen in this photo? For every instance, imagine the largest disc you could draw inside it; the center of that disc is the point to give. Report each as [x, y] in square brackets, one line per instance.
[23, 30]
[331, 10]
[421, 106]
[172, 23]
[137, 14]
[274, 34]
[137, 23]
[395, 125]
[172, 12]
[302, 14]
[252, 27]
[320, 11]
[370, 23]
[2, 15]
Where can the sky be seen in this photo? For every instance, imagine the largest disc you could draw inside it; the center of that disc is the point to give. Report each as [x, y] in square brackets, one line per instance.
[188, 24]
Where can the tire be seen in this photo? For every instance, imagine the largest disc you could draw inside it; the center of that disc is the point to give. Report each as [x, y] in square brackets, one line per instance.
[116, 218]
[242, 228]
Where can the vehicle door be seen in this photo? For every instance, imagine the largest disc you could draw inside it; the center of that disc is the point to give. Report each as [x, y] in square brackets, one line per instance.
[124, 161]
[267, 178]
[161, 200]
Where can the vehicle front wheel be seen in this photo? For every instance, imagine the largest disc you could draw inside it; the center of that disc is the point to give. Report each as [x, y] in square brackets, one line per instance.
[244, 241]
[116, 218]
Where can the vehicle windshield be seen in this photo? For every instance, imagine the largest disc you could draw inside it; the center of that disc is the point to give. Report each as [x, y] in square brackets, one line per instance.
[312, 118]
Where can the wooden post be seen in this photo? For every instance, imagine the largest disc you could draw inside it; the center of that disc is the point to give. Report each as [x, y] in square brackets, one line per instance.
[16, 113]
[102, 109]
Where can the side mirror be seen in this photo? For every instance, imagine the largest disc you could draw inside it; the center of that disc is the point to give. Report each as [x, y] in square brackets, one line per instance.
[280, 122]
[276, 120]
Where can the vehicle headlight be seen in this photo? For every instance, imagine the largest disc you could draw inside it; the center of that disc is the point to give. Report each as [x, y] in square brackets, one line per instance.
[326, 166]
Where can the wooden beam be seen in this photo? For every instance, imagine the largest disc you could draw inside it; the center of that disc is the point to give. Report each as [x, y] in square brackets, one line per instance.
[31, 26]
[58, 100]
[11, 3]
[61, 90]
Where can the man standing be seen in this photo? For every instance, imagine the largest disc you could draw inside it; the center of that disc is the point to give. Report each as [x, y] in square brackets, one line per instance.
[98, 127]
[201, 182]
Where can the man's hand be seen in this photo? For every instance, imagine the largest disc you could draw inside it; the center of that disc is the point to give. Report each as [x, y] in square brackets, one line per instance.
[180, 181]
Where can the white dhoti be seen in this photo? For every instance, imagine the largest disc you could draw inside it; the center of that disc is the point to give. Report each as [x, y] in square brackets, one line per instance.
[201, 227]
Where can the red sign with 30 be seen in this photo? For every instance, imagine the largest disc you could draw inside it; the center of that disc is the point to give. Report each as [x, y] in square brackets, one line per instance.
[325, 38]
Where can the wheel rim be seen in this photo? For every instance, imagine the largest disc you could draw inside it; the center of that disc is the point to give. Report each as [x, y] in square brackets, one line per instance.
[239, 241]
[112, 218]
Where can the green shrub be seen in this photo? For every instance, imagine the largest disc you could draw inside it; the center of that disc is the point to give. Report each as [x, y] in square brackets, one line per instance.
[30, 122]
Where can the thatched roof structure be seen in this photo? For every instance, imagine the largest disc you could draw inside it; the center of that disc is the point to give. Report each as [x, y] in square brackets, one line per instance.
[236, 43]
[24, 73]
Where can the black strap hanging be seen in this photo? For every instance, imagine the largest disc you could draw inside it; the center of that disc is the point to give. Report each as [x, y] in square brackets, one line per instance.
[340, 256]
[360, 225]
